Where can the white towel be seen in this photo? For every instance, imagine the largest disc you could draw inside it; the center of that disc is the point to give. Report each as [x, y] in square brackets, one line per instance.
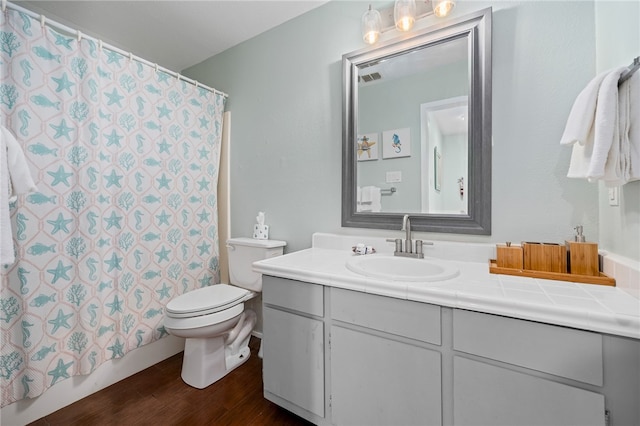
[369, 199]
[15, 178]
[593, 124]
[363, 199]
[633, 134]
[580, 121]
[373, 196]
[606, 130]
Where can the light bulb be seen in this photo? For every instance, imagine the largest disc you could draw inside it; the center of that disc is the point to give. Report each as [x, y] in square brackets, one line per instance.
[404, 14]
[442, 8]
[371, 26]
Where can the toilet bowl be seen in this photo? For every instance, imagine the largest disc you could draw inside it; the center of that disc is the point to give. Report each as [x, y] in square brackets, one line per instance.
[213, 319]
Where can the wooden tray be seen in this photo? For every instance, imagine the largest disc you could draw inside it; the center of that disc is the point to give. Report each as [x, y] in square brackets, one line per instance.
[584, 279]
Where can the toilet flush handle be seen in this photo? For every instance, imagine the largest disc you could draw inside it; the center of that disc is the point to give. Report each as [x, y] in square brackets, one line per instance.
[230, 247]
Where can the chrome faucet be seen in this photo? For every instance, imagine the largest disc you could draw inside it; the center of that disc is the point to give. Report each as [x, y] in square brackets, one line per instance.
[406, 226]
[408, 242]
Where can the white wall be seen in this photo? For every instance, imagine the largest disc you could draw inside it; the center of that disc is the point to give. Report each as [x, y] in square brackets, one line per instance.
[285, 91]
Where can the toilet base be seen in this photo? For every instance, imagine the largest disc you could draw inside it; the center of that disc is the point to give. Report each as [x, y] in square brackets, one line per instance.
[207, 360]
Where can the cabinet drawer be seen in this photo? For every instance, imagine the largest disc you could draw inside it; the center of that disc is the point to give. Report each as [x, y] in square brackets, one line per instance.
[564, 352]
[488, 395]
[295, 295]
[406, 318]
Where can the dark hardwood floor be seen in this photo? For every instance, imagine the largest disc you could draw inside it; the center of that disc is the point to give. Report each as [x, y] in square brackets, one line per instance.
[158, 396]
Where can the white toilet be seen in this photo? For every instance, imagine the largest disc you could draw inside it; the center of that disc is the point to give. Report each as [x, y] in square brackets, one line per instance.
[213, 320]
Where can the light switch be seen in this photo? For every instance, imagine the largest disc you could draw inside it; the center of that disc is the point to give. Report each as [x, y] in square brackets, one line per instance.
[393, 177]
[613, 196]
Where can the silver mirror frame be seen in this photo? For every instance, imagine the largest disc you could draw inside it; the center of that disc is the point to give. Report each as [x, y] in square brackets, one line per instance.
[477, 27]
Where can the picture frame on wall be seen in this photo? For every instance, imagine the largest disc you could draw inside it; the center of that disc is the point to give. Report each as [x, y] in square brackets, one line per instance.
[396, 143]
[367, 147]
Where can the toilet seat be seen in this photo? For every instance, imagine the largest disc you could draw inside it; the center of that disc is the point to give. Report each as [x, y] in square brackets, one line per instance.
[205, 301]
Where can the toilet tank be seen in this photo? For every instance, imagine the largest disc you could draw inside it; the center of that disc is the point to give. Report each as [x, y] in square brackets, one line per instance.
[242, 252]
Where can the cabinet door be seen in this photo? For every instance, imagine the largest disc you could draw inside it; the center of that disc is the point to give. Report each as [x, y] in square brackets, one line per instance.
[488, 395]
[293, 360]
[378, 381]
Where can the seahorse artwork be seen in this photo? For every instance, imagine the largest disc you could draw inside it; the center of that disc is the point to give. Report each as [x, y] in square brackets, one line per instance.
[396, 144]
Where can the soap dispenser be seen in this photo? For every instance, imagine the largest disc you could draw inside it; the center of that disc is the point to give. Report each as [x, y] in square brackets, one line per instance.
[582, 255]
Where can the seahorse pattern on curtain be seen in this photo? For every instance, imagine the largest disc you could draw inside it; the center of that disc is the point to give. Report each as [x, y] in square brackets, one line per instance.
[125, 158]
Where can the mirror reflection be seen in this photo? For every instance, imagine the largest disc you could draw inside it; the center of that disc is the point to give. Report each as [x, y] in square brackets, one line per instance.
[412, 107]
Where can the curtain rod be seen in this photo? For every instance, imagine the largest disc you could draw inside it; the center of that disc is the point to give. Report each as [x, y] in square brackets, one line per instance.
[70, 31]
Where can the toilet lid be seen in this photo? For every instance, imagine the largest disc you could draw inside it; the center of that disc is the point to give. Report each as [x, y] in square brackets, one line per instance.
[205, 300]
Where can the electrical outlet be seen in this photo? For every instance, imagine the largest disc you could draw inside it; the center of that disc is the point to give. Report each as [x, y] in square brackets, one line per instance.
[614, 196]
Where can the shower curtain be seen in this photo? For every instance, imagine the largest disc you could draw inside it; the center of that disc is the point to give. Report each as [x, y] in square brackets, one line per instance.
[125, 158]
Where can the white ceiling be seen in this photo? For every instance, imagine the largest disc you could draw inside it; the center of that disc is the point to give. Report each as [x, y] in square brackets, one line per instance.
[174, 34]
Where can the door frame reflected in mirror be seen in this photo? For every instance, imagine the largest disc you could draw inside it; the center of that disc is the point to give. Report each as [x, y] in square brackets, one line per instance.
[477, 29]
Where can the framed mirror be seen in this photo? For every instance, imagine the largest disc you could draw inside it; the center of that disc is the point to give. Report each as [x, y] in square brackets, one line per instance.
[417, 130]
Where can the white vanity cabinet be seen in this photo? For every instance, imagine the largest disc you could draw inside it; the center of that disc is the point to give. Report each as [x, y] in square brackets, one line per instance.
[509, 371]
[342, 357]
[383, 370]
[293, 346]
[499, 393]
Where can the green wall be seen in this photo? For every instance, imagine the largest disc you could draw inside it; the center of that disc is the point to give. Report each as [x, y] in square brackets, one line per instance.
[285, 98]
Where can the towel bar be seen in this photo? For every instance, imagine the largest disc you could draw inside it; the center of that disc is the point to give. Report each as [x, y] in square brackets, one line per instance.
[632, 68]
[388, 191]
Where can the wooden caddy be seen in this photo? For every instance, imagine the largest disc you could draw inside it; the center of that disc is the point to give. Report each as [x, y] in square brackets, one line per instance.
[573, 261]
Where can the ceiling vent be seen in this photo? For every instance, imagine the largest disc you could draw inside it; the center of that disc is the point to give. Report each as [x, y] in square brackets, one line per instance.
[368, 64]
[370, 77]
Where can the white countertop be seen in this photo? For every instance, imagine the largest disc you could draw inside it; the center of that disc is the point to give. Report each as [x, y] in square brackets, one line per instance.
[592, 307]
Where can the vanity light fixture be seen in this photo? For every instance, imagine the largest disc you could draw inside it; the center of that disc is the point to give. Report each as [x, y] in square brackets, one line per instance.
[402, 17]
[442, 8]
[371, 26]
[404, 14]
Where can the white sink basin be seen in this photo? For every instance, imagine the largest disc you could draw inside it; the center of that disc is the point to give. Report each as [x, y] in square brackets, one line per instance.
[395, 268]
